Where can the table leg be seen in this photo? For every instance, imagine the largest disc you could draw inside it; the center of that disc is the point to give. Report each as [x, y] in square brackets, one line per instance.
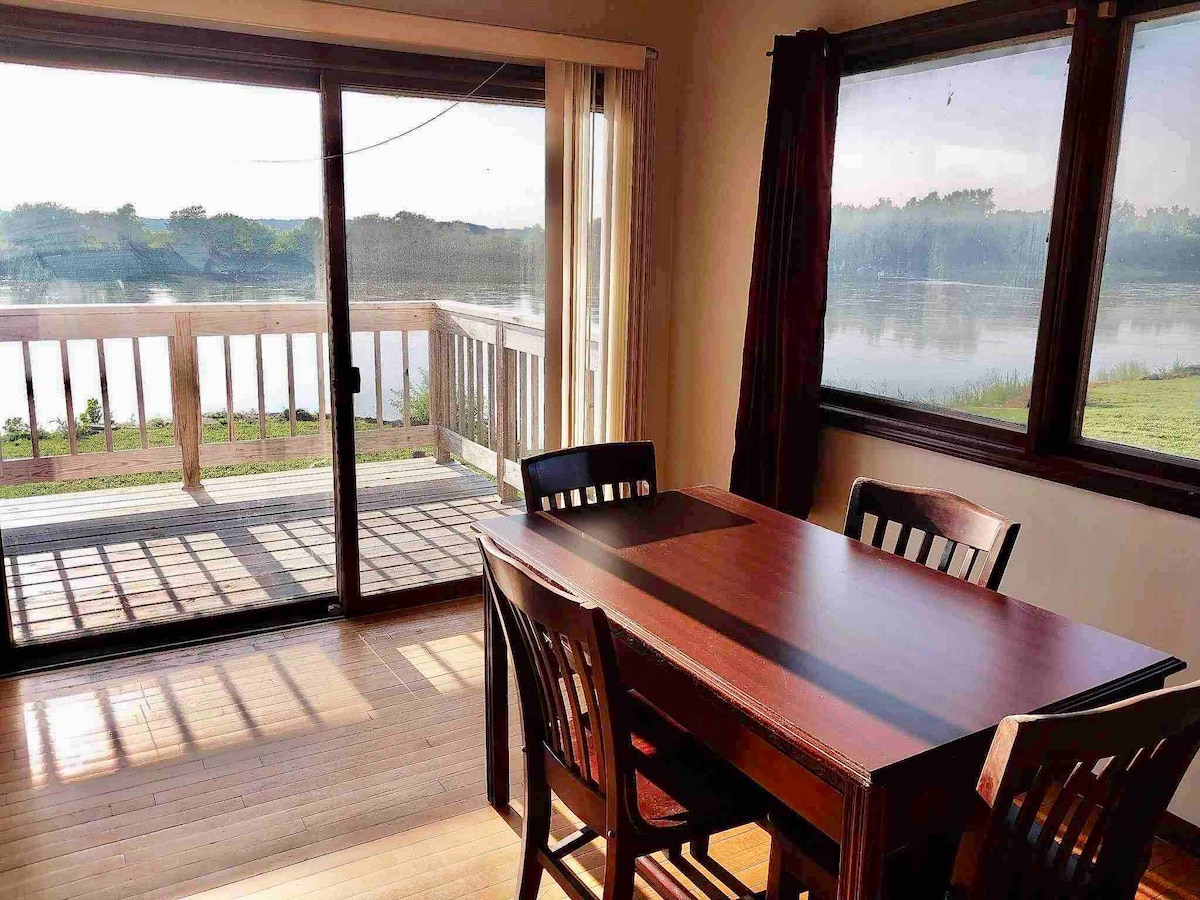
[495, 693]
[860, 874]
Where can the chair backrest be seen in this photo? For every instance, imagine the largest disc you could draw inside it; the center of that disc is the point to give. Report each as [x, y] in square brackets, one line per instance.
[594, 473]
[981, 540]
[566, 671]
[1074, 798]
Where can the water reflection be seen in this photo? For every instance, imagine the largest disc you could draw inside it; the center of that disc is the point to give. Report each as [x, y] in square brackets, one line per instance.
[921, 340]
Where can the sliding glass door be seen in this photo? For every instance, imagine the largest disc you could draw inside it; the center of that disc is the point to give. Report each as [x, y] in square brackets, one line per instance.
[165, 447]
[445, 235]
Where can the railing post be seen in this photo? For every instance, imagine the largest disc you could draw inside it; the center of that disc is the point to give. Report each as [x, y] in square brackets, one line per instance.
[506, 411]
[185, 397]
[438, 389]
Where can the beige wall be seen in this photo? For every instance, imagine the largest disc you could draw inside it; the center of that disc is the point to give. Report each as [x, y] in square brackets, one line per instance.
[1118, 565]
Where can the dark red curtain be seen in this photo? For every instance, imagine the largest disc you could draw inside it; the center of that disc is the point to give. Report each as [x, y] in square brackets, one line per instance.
[779, 416]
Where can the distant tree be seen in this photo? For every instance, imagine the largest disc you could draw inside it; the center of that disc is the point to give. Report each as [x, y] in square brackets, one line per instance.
[91, 415]
[15, 428]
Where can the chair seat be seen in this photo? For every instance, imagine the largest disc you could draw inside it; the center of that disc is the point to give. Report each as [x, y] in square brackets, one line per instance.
[680, 783]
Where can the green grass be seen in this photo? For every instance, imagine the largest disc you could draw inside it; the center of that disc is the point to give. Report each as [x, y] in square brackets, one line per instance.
[128, 437]
[1129, 404]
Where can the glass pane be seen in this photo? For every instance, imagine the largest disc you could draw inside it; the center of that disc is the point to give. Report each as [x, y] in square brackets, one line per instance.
[942, 192]
[131, 207]
[446, 241]
[1144, 382]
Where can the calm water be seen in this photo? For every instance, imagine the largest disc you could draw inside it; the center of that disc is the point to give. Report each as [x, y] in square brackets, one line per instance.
[47, 364]
[917, 339]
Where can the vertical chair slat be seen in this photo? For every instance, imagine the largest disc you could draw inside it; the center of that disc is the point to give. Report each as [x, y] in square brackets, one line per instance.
[573, 709]
[262, 391]
[406, 402]
[880, 529]
[378, 351]
[141, 393]
[947, 556]
[592, 699]
[322, 424]
[72, 439]
[291, 384]
[902, 540]
[29, 398]
[230, 424]
[106, 411]
[926, 546]
[968, 563]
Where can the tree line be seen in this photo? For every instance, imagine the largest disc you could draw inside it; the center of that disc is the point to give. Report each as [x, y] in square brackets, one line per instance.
[48, 241]
[963, 236]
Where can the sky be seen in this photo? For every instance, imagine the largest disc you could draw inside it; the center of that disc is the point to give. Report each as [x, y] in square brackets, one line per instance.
[995, 120]
[96, 140]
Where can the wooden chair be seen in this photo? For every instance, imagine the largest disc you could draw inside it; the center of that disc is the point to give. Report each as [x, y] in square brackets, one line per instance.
[987, 538]
[626, 771]
[1070, 803]
[595, 473]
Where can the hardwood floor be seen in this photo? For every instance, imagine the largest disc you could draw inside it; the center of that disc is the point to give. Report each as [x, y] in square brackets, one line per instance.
[119, 558]
[337, 760]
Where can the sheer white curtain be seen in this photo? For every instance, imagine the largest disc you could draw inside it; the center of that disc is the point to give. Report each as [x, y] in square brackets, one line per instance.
[607, 179]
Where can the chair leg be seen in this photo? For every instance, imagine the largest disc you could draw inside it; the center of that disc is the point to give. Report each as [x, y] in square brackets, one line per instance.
[535, 835]
[619, 867]
[781, 884]
[700, 848]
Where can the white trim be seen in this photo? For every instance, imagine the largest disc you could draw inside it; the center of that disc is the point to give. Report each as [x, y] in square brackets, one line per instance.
[336, 23]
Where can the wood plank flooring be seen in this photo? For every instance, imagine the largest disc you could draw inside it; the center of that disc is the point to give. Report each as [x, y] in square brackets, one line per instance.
[343, 759]
[118, 558]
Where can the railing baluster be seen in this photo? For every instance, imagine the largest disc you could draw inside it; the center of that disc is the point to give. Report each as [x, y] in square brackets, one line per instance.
[491, 377]
[472, 400]
[291, 378]
[104, 407]
[461, 368]
[451, 383]
[480, 399]
[230, 425]
[72, 440]
[185, 390]
[141, 393]
[262, 392]
[378, 381]
[33, 425]
[406, 411]
[522, 405]
[535, 437]
[321, 423]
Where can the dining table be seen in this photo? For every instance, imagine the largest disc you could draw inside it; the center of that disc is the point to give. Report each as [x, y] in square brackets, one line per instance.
[859, 688]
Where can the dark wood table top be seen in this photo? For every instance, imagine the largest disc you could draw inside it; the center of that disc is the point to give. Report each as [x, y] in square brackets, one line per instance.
[856, 656]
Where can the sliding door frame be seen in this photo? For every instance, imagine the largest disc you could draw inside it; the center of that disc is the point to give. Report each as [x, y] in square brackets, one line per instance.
[67, 40]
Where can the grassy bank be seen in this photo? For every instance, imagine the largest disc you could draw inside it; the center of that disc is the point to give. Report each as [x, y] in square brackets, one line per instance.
[160, 434]
[1130, 405]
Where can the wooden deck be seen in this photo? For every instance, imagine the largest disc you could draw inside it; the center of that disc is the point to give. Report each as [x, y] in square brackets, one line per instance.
[119, 558]
[343, 759]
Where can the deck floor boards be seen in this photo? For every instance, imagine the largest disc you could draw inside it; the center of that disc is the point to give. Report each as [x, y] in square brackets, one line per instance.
[117, 558]
[337, 760]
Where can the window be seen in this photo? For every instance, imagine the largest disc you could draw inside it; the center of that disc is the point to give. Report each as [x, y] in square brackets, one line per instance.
[1144, 378]
[1014, 273]
[942, 191]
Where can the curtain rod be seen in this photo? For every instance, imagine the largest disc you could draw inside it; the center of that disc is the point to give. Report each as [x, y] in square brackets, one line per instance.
[338, 23]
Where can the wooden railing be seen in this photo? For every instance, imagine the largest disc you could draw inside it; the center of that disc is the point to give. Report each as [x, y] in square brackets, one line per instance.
[486, 384]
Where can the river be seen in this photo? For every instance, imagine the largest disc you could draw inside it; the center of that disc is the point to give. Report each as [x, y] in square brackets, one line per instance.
[917, 339]
[909, 339]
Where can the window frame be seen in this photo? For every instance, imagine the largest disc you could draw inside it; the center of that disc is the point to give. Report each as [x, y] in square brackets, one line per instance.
[1051, 447]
